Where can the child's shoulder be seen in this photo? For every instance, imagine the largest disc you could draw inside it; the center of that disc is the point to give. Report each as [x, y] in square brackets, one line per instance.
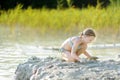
[76, 39]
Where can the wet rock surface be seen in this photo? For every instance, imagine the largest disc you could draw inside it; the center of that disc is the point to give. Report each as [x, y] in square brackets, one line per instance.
[52, 68]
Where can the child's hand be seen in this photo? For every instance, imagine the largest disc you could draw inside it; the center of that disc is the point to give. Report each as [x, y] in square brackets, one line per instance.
[93, 58]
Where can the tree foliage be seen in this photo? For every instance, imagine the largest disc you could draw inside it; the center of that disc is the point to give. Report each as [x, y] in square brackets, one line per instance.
[51, 4]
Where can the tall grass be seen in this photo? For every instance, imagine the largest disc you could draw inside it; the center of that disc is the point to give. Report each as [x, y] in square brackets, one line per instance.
[69, 21]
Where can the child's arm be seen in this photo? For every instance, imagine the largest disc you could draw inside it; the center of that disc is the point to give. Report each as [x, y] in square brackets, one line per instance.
[74, 49]
[87, 54]
[73, 54]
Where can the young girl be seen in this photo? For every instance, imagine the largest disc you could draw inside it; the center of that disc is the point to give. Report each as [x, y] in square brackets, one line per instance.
[74, 46]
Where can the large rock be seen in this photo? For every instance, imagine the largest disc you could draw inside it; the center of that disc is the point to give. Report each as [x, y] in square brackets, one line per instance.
[55, 69]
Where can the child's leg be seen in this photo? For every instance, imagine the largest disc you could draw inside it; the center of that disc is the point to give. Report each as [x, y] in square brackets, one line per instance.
[67, 57]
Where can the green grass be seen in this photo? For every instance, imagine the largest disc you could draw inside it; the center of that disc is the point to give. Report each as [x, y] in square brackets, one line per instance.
[69, 21]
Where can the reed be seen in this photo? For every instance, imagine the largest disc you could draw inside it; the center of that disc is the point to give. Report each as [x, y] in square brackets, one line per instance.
[69, 21]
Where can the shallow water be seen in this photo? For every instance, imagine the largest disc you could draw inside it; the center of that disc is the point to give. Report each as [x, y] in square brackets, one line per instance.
[12, 54]
[17, 49]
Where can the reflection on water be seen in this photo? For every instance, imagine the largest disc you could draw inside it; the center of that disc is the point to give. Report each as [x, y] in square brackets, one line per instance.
[17, 49]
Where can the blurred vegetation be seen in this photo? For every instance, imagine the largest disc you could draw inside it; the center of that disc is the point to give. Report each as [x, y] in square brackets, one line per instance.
[66, 22]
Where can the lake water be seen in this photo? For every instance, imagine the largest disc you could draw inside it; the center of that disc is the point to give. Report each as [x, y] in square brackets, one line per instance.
[17, 50]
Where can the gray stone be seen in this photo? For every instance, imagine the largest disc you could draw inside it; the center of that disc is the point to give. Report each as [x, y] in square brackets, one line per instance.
[52, 68]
